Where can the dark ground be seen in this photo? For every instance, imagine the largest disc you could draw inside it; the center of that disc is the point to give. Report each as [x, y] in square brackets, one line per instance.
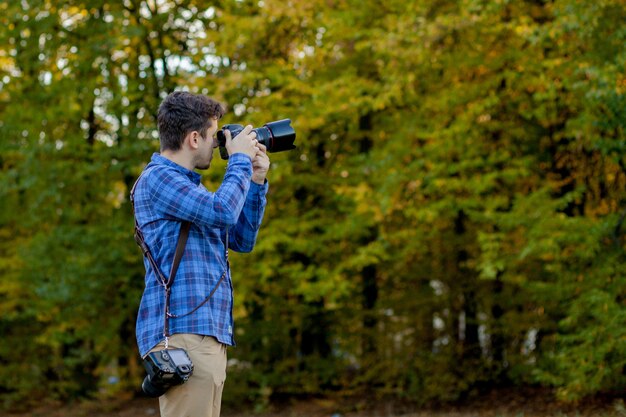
[503, 403]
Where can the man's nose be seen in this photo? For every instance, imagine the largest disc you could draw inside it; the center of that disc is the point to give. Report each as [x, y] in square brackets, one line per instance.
[215, 142]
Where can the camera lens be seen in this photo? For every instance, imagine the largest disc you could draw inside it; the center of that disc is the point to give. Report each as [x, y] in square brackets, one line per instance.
[263, 135]
[276, 136]
[280, 136]
[150, 390]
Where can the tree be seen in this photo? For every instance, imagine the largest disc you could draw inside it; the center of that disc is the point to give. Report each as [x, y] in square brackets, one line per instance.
[451, 221]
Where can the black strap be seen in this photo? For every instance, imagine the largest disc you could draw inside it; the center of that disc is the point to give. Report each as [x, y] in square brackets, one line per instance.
[146, 252]
[180, 249]
[166, 282]
[169, 282]
[168, 314]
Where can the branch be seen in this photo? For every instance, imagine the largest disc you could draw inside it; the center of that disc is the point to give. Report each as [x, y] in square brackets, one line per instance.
[618, 227]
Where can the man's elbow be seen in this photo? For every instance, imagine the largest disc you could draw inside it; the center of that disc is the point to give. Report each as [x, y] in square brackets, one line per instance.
[245, 246]
[226, 218]
[230, 220]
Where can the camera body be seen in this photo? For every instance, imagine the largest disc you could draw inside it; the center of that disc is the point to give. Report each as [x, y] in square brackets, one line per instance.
[166, 368]
[276, 136]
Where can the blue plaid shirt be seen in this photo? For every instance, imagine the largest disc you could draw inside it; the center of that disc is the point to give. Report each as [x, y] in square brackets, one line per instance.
[167, 193]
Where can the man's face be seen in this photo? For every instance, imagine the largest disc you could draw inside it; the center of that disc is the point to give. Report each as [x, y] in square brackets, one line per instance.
[206, 146]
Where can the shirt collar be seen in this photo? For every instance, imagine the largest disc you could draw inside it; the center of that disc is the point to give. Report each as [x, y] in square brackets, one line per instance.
[158, 159]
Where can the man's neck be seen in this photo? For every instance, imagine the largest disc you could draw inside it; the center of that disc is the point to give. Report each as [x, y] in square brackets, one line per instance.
[178, 158]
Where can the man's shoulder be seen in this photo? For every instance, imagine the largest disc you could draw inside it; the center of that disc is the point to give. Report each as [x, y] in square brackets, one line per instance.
[146, 182]
[155, 173]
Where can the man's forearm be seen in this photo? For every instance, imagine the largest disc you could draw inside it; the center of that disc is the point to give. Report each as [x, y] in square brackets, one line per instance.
[247, 227]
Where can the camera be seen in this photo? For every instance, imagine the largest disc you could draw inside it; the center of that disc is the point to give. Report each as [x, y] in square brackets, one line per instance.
[276, 136]
[165, 368]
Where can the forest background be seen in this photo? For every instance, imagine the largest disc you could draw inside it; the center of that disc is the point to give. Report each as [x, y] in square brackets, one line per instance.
[451, 221]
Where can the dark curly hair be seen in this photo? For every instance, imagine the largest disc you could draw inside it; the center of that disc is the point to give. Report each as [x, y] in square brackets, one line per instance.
[182, 112]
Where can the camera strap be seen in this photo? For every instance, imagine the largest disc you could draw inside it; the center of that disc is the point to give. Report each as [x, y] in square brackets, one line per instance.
[178, 254]
[180, 249]
[175, 316]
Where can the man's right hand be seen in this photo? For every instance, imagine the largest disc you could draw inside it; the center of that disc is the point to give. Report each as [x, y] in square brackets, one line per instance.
[245, 142]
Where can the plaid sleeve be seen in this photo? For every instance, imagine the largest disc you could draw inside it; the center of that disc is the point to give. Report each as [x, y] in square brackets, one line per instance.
[177, 198]
[245, 231]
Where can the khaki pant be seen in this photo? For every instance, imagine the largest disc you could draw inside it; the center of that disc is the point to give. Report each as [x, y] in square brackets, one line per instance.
[201, 395]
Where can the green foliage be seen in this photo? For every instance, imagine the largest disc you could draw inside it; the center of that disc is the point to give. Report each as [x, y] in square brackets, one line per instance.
[451, 220]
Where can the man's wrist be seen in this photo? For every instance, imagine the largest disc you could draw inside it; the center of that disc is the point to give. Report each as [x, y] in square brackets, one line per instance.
[258, 179]
[240, 153]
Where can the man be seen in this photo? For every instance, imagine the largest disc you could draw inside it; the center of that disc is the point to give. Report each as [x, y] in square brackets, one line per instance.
[168, 192]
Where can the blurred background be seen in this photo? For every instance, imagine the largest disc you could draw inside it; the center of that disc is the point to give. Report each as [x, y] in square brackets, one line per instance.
[451, 222]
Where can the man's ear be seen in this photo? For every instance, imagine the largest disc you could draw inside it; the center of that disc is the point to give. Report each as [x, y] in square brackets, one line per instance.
[192, 139]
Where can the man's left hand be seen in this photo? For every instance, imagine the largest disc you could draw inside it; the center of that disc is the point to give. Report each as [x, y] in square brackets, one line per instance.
[260, 165]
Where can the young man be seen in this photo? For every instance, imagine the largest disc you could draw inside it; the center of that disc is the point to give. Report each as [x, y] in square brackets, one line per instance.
[169, 192]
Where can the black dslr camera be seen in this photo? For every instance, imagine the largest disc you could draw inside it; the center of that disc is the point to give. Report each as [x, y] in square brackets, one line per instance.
[276, 136]
[165, 368]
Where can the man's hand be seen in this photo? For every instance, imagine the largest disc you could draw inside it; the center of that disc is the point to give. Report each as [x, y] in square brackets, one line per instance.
[260, 165]
[245, 142]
